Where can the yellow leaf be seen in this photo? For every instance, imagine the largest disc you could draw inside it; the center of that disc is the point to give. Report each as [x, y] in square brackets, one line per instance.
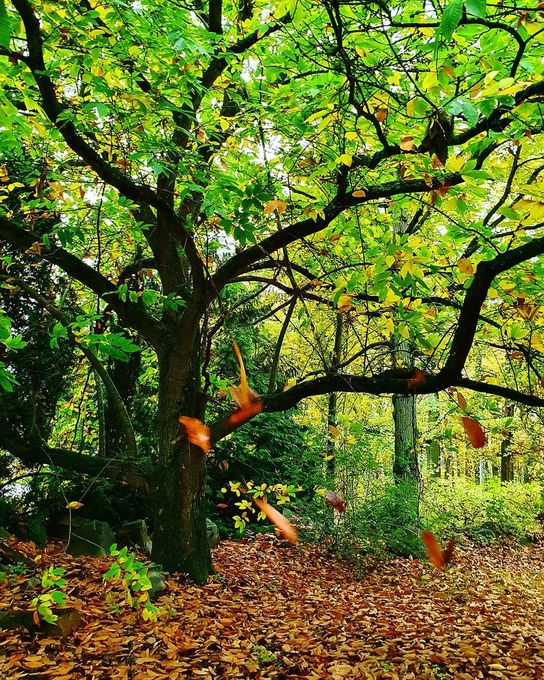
[454, 163]
[465, 266]
[394, 79]
[74, 505]
[411, 108]
[537, 211]
[333, 430]
[391, 298]
[344, 303]
[345, 159]
[352, 135]
[536, 342]
[461, 401]
[359, 193]
[407, 268]
[360, 52]
[275, 205]
[390, 260]
[404, 331]
[430, 81]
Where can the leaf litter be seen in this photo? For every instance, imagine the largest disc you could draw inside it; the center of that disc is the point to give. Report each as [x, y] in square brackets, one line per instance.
[274, 610]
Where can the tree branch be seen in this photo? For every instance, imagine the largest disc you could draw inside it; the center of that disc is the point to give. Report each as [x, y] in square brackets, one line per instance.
[131, 314]
[60, 116]
[39, 453]
[111, 389]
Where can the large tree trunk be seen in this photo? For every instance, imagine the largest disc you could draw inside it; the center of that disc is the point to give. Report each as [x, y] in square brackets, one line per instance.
[179, 536]
[406, 474]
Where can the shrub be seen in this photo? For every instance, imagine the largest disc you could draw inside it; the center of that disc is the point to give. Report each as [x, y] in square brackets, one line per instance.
[482, 512]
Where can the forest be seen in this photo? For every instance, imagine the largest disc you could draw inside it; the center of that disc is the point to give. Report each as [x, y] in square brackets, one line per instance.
[271, 339]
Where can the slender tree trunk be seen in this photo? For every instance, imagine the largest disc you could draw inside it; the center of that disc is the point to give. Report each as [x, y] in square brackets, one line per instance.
[332, 415]
[179, 537]
[507, 461]
[125, 375]
[433, 442]
[406, 475]
[405, 464]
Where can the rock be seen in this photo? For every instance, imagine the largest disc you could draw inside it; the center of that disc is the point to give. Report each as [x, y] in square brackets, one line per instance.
[213, 533]
[90, 537]
[135, 533]
[158, 582]
[9, 554]
[68, 620]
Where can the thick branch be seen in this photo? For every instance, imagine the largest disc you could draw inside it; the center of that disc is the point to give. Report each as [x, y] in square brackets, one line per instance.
[37, 453]
[60, 116]
[131, 314]
[474, 299]
[239, 263]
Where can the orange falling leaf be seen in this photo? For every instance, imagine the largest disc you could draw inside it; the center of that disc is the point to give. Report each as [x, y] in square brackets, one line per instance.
[245, 413]
[284, 526]
[461, 401]
[416, 379]
[243, 395]
[474, 432]
[197, 433]
[436, 556]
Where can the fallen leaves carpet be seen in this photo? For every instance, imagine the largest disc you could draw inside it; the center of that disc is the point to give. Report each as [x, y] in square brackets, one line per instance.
[281, 611]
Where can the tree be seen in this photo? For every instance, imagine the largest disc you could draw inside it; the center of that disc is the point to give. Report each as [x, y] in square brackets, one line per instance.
[201, 146]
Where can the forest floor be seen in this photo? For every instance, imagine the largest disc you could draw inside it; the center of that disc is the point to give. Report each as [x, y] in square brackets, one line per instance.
[282, 611]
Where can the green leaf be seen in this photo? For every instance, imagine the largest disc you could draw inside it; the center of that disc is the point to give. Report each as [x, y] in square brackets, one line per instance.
[5, 26]
[450, 19]
[476, 7]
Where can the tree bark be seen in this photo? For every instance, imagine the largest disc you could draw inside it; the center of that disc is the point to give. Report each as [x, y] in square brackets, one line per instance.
[405, 464]
[332, 415]
[434, 449]
[124, 375]
[179, 536]
[507, 461]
